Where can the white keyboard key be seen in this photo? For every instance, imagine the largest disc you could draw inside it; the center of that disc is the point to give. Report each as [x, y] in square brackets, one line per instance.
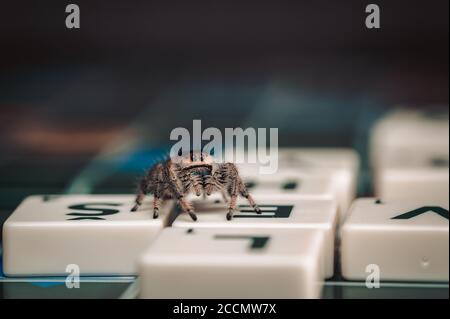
[291, 183]
[409, 154]
[303, 158]
[96, 232]
[410, 138]
[233, 263]
[336, 158]
[406, 240]
[419, 183]
[339, 165]
[278, 211]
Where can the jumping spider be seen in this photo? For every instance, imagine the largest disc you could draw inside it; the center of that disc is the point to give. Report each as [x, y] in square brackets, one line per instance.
[192, 172]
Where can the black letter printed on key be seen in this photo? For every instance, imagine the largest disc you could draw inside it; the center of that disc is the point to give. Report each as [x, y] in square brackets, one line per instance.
[97, 211]
[425, 209]
[280, 211]
[258, 242]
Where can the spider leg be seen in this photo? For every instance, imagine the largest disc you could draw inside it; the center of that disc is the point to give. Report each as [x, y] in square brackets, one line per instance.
[138, 201]
[233, 191]
[145, 185]
[252, 203]
[244, 192]
[231, 207]
[238, 186]
[186, 207]
[141, 195]
[176, 186]
[157, 200]
[156, 205]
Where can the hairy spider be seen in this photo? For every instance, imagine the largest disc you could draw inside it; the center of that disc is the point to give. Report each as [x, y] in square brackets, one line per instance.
[192, 172]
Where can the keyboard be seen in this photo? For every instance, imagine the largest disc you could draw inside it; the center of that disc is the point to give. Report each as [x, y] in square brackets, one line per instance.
[334, 223]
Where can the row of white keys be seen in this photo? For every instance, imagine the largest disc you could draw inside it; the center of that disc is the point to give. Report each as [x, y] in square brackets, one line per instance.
[233, 263]
[396, 240]
[314, 172]
[98, 233]
[410, 156]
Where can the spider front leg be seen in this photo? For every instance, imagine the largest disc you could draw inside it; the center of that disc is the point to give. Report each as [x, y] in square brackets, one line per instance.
[251, 201]
[178, 188]
[186, 207]
[238, 187]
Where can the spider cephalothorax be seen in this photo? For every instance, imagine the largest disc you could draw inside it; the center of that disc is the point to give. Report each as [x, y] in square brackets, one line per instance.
[192, 172]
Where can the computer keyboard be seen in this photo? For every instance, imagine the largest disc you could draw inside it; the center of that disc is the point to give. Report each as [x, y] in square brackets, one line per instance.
[312, 240]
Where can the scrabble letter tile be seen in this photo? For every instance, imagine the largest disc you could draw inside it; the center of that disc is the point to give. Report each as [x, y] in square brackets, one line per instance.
[96, 232]
[233, 263]
[407, 240]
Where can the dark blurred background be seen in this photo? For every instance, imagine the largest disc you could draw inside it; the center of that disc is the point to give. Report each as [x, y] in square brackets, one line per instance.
[137, 69]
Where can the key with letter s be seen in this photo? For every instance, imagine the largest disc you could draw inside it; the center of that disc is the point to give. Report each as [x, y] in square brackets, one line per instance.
[98, 233]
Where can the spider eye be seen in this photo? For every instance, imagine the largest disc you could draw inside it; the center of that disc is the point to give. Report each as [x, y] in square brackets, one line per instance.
[192, 156]
[180, 152]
